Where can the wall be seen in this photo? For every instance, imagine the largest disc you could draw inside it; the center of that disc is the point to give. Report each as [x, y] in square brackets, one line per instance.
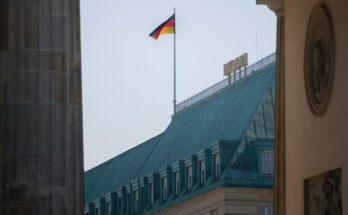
[314, 144]
[225, 201]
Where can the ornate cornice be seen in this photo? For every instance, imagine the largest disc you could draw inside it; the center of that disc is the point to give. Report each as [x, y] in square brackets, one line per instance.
[277, 6]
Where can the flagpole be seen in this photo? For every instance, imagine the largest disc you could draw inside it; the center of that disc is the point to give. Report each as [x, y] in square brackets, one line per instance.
[174, 101]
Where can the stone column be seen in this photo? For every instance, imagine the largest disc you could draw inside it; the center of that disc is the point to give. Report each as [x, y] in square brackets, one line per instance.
[279, 185]
[41, 145]
[277, 6]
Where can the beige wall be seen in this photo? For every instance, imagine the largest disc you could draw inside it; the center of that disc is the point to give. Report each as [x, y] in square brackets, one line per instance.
[225, 201]
[314, 144]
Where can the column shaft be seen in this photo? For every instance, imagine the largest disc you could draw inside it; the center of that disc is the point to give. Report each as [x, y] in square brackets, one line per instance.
[41, 151]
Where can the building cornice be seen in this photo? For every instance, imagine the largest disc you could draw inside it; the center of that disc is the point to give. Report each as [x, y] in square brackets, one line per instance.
[277, 6]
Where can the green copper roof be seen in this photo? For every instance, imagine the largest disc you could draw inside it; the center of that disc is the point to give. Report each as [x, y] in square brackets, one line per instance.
[117, 171]
[229, 114]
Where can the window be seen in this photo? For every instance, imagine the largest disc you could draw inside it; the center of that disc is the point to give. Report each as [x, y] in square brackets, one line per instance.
[128, 202]
[97, 211]
[142, 199]
[202, 172]
[189, 178]
[216, 162]
[177, 183]
[164, 188]
[108, 208]
[136, 201]
[119, 205]
[267, 162]
[214, 212]
[151, 194]
[267, 211]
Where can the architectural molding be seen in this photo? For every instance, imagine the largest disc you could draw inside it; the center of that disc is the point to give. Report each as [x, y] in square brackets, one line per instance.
[280, 171]
[277, 6]
[319, 67]
[273, 5]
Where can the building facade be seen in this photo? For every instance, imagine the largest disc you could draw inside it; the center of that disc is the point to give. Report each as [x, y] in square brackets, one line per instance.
[311, 137]
[215, 157]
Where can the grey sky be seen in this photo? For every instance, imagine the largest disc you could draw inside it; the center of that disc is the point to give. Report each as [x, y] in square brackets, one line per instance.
[128, 76]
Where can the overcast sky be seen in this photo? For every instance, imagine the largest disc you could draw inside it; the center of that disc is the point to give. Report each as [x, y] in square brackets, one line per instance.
[128, 76]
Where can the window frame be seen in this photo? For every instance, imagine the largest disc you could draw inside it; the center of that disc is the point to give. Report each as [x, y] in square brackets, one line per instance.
[202, 172]
[216, 165]
[108, 208]
[136, 200]
[120, 205]
[151, 194]
[177, 183]
[189, 177]
[164, 186]
[267, 211]
[97, 211]
[267, 155]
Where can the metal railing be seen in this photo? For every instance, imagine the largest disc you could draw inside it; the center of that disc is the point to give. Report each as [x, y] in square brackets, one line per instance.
[226, 82]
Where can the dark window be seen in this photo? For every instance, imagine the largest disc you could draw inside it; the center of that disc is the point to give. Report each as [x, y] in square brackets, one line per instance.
[108, 208]
[189, 178]
[142, 199]
[119, 205]
[136, 201]
[202, 172]
[128, 203]
[177, 183]
[164, 188]
[151, 194]
[214, 212]
[97, 211]
[216, 162]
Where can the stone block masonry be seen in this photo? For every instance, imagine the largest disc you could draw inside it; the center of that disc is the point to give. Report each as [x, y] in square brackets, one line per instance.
[41, 144]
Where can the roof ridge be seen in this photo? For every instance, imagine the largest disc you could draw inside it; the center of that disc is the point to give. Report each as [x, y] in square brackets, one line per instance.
[221, 92]
[124, 153]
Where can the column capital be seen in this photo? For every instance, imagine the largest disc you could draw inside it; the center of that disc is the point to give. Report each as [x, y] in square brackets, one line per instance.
[277, 6]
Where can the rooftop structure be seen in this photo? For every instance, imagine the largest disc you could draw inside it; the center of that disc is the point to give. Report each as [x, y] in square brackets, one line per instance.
[224, 83]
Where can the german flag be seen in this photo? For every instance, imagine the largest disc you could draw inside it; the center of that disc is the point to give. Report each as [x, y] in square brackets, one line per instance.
[167, 27]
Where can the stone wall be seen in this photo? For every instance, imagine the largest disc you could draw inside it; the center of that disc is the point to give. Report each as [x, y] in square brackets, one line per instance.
[225, 201]
[314, 144]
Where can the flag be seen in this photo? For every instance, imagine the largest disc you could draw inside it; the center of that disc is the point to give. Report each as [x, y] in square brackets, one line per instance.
[167, 27]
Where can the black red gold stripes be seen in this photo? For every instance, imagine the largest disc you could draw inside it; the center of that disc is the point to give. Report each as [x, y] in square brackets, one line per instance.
[167, 27]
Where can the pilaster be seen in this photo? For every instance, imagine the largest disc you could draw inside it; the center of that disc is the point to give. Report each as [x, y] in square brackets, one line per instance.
[277, 6]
